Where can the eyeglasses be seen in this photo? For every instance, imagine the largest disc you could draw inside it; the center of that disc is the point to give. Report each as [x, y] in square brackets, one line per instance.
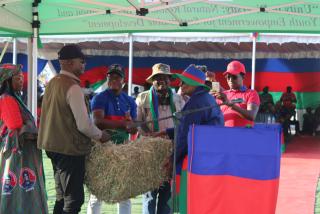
[233, 77]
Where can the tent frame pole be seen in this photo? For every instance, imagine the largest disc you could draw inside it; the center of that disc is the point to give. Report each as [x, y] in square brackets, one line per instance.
[253, 65]
[33, 80]
[29, 73]
[130, 64]
[14, 51]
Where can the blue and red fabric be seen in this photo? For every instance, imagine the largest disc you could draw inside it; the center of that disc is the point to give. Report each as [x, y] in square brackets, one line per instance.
[233, 170]
[180, 199]
[115, 106]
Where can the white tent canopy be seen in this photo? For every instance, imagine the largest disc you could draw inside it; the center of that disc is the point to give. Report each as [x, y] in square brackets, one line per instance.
[192, 45]
[179, 37]
[183, 45]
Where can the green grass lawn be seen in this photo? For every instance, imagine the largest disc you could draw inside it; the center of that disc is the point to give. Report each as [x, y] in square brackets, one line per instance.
[106, 208]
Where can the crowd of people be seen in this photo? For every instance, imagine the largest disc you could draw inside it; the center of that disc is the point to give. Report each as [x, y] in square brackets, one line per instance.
[284, 112]
[71, 117]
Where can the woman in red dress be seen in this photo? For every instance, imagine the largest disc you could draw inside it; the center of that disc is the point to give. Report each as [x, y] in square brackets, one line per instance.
[21, 170]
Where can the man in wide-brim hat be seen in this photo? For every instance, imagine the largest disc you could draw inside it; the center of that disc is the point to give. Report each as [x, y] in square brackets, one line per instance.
[158, 102]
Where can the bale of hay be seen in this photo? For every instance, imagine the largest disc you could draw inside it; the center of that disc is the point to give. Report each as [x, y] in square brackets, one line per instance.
[118, 172]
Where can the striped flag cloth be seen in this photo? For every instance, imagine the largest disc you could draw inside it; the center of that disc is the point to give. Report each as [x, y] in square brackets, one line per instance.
[233, 170]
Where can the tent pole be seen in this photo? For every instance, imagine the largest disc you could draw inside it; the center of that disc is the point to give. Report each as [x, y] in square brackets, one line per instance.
[29, 91]
[14, 51]
[34, 76]
[33, 80]
[130, 64]
[253, 72]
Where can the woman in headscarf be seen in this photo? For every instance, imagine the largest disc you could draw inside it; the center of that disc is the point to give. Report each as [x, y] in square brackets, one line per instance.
[21, 170]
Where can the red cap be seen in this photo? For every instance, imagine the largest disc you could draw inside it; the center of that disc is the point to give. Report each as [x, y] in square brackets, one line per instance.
[234, 68]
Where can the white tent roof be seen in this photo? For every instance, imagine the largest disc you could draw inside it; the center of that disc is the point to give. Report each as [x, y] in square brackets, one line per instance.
[191, 45]
[179, 37]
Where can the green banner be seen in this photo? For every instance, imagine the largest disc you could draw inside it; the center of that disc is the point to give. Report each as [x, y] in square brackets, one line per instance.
[304, 99]
[114, 16]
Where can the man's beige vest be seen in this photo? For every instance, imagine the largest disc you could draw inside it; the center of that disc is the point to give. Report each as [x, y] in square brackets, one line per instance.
[58, 130]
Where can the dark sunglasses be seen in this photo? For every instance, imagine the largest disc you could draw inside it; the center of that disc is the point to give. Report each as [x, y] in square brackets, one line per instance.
[233, 77]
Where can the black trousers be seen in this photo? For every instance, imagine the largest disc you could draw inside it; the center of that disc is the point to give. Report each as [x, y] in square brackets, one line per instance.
[163, 194]
[68, 176]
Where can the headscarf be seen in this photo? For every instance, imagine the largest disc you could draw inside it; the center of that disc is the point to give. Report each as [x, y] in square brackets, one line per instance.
[7, 71]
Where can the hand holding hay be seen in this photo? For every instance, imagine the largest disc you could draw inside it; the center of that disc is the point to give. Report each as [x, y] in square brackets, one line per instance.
[118, 172]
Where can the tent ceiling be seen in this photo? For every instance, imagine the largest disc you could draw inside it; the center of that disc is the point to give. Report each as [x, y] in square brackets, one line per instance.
[114, 16]
[196, 50]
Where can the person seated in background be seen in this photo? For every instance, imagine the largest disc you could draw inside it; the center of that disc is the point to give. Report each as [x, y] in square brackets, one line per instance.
[265, 113]
[282, 116]
[266, 99]
[308, 126]
[288, 100]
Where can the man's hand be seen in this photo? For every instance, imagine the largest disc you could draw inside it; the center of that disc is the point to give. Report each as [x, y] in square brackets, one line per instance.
[130, 127]
[105, 137]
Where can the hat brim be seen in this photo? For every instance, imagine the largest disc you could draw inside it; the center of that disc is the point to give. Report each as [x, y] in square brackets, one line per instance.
[116, 72]
[149, 79]
[189, 81]
[232, 73]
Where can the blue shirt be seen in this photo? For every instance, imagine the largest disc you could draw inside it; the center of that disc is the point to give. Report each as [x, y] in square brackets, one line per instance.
[115, 106]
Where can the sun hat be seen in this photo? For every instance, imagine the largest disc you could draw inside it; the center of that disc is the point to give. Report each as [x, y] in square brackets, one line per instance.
[159, 68]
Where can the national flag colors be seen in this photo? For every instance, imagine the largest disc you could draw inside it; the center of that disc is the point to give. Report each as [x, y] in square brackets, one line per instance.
[180, 200]
[233, 170]
[301, 74]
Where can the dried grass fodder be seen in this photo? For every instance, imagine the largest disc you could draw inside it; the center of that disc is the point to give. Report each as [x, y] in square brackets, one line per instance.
[118, 172]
